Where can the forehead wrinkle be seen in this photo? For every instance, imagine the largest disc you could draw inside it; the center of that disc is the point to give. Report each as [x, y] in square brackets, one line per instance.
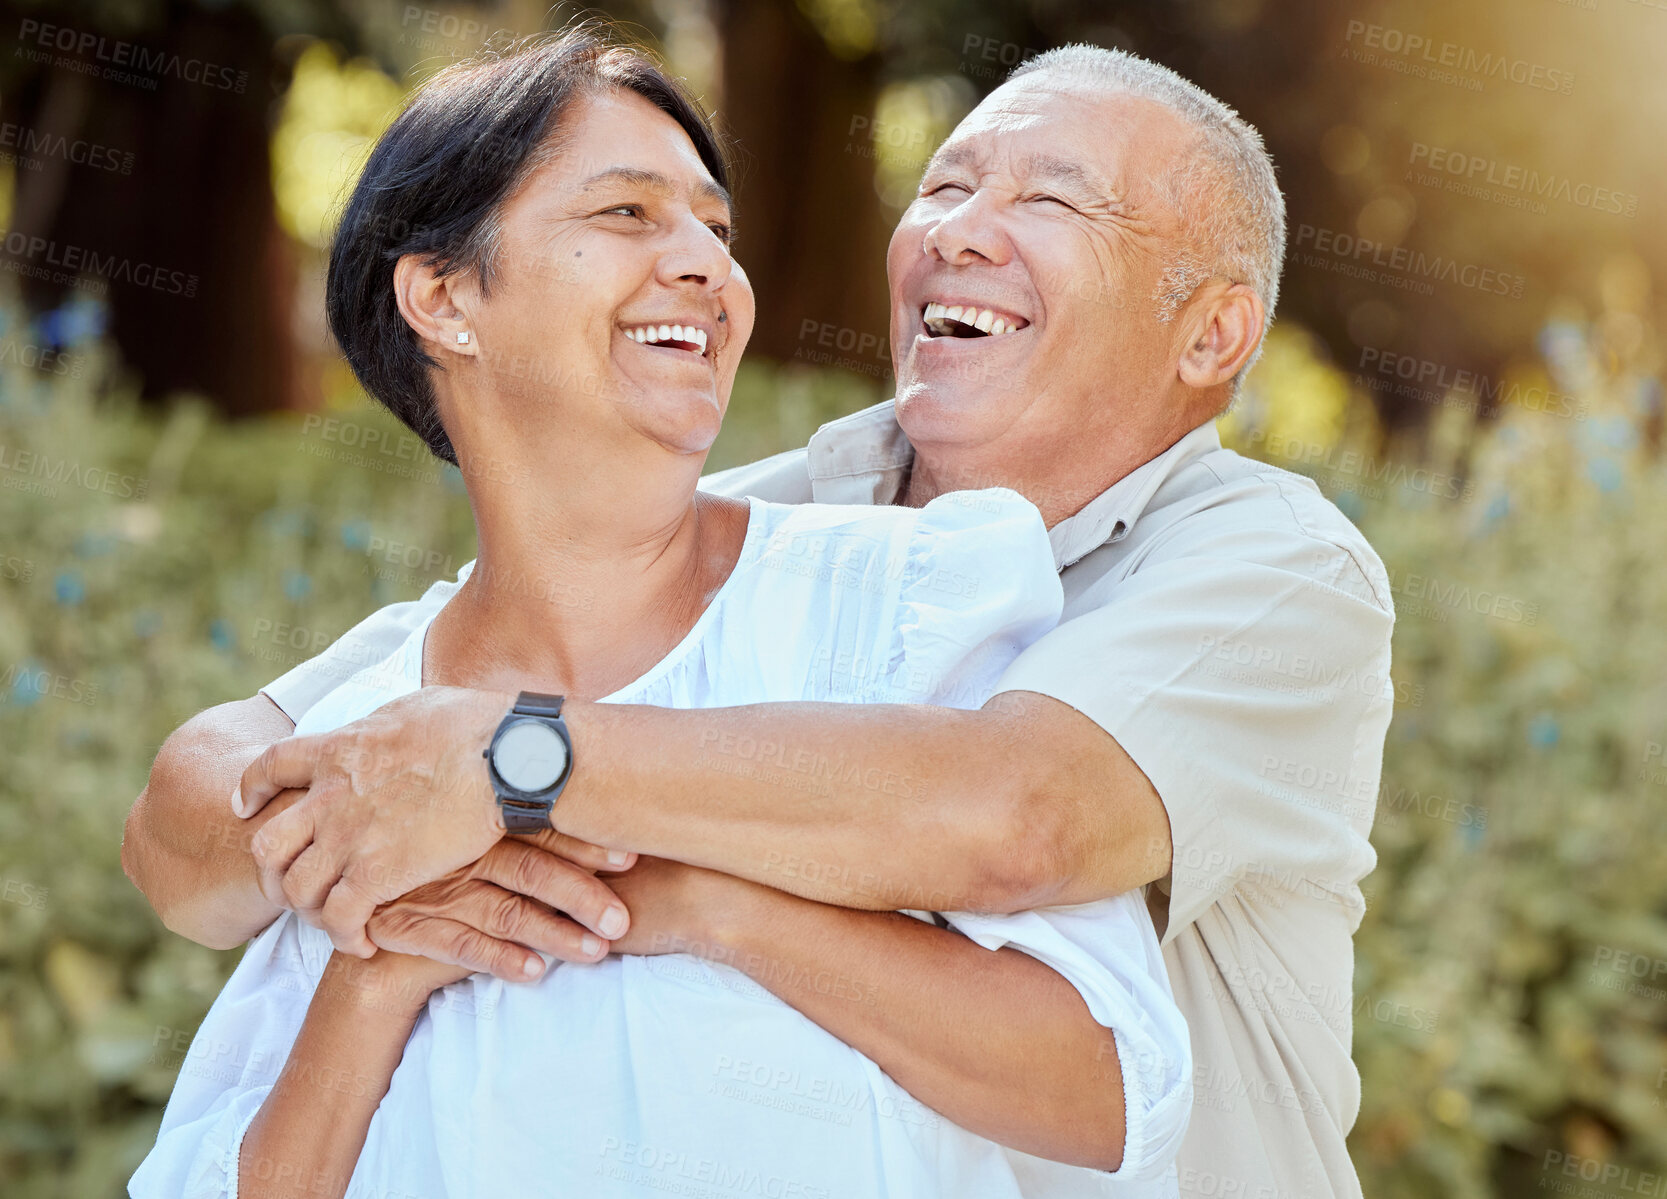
[705, 188]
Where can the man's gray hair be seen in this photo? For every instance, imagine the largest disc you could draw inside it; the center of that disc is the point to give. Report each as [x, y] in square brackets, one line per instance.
[1224, 189]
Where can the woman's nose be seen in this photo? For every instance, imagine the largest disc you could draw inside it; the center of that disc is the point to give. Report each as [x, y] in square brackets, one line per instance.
[695, 255]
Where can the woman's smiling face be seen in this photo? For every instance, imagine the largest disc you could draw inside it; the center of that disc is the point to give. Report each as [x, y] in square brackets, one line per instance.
[613, 292]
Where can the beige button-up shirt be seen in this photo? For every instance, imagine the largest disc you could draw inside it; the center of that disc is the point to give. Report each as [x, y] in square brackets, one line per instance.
[1231, 629]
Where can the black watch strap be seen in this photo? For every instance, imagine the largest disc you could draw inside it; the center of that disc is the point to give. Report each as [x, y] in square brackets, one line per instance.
[531, 703]
[522, 818]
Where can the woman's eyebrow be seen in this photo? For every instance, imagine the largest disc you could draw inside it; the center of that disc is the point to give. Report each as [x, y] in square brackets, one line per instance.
[655, 181]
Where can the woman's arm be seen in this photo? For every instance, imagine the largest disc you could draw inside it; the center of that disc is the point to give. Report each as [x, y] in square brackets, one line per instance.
[308, 1135]
[997, 1041]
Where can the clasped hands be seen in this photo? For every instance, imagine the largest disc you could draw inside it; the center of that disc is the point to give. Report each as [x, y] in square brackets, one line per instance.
[396, 844]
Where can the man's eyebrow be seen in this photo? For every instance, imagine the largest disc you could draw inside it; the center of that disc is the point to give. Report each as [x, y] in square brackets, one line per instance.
[1066, 171]
[1034, 166]
[958, 154]
[654, 181]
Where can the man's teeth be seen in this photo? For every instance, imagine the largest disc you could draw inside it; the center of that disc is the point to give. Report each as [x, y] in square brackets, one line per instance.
[938, 318]
[655, 334]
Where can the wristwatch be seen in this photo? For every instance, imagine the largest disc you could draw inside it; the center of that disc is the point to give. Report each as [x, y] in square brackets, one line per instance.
[530, 760]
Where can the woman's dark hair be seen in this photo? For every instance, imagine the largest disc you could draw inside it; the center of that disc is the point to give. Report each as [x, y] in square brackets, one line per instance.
[437, 180]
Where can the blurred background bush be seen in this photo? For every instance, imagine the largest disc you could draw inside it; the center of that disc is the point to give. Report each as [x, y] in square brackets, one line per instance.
[195, 495]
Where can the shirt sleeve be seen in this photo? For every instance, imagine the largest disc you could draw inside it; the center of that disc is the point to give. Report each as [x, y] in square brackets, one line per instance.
[1109, 952]
[976, 586]
[1245, 670]
[369, 643]
[234, 1060]
[979, 586]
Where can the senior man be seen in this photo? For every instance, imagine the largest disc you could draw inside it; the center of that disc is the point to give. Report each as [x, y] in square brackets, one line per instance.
[1086, 274]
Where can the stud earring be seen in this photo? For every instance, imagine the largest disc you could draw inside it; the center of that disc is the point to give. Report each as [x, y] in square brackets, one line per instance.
[463, 339]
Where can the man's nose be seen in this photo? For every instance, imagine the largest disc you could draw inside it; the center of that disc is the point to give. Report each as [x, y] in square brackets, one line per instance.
[970, 232]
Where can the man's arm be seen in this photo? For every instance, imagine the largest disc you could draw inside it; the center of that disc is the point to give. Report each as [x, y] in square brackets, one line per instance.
[1024, 803]
[183, 847]
[994, 1039]
[996, 1042]
[189, 854]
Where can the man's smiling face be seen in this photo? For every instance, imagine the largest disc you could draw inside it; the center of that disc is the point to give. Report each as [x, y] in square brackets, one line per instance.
[1025, 275]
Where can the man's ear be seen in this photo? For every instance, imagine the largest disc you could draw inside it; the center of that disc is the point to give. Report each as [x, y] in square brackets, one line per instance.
[1226, 328]
[436, 306]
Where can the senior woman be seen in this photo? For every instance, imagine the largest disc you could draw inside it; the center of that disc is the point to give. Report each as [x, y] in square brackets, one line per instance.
[533, 273]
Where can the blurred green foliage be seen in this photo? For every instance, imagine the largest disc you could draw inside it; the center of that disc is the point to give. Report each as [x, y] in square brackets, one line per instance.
[151, 566]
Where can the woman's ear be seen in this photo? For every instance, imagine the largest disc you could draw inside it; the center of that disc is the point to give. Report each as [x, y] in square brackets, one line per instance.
[434, 305]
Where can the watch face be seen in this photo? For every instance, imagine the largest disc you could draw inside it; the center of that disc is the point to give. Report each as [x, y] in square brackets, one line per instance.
[530, 756]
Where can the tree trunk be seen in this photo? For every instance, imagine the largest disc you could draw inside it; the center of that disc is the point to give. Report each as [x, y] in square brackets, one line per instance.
[811, 233]
[180, 239]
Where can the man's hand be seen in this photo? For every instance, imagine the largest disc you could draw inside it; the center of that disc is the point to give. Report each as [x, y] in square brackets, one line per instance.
[394, 800]
[520, 893]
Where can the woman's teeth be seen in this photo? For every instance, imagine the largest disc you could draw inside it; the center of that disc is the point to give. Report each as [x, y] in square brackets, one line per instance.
[691, 338]
[944, 320]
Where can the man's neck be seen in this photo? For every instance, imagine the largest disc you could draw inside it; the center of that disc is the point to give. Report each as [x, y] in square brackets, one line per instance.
[1060, 485]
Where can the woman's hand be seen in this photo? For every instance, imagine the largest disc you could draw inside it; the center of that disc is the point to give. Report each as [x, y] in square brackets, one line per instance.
[393, 801]
[396, 983]
[677, 908]
[540, 892]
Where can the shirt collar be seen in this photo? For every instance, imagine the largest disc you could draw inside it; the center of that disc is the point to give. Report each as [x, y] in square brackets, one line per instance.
[862, 459]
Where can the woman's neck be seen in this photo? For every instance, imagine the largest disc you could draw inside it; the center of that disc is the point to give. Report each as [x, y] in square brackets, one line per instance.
[588, 572]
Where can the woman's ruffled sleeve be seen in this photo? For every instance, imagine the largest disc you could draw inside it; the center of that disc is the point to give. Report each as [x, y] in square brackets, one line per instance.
[199, 1160]
[978, 585]
[1109, 952]
[234, 1061]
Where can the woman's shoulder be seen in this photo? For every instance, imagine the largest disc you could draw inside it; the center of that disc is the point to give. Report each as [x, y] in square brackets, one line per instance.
[995, 516]
[367, 689]
[883, 603]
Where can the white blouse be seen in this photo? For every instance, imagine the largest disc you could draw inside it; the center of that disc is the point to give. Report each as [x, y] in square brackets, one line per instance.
[670, 1074]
